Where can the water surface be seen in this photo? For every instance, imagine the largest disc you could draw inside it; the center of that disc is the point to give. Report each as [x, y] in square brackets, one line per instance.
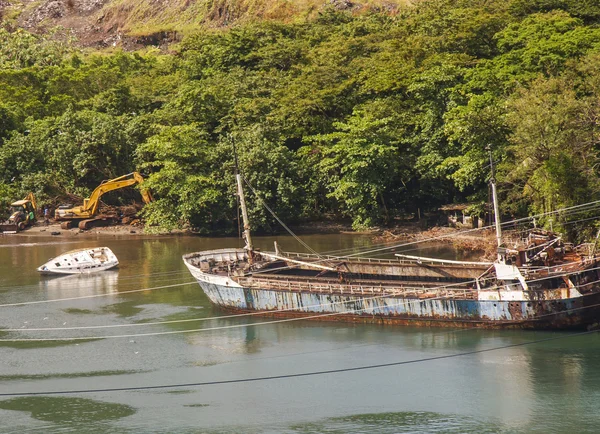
[546, 387]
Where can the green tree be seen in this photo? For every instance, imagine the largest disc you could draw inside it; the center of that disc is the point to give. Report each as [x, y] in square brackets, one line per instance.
[182, 167]
[356, 163]
[553, 162]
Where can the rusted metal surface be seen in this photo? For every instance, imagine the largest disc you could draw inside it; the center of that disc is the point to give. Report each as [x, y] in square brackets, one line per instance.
[559, 302]
[571, 313]
[398, 267]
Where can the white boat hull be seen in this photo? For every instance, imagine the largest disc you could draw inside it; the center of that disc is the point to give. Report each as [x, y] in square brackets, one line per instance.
[81, 261]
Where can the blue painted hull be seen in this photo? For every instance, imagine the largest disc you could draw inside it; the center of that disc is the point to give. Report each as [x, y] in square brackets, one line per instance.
[570, 313]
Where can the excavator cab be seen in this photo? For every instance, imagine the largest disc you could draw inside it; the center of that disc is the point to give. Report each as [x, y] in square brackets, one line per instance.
[22, 214]
[17, 215]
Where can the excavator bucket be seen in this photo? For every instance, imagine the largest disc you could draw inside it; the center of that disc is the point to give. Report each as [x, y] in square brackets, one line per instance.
[9, 228]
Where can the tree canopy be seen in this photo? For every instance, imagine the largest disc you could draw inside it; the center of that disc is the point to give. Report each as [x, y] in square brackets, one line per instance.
[368, 117]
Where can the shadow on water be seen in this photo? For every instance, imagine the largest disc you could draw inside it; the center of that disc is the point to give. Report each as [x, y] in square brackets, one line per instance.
[383, 423]
[124, 309]
[68, 375]
[76, 311]
[24, 344]
[73, 411]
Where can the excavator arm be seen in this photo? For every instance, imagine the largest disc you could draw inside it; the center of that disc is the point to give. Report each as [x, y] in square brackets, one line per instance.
[30, 197]
[90, 205]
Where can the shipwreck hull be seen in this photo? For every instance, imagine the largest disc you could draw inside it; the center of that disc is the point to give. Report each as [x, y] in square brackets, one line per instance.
[573, 313]
[442, 299]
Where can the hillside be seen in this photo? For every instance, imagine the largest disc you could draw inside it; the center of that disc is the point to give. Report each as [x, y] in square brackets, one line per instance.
[135, 23]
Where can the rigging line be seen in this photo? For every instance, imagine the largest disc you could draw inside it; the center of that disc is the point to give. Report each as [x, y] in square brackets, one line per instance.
[174, 332]
[382, 252]
[300, 374]
[321, 315]
[249, 314]
[436, 334]
[440, 237]
[580, 221]
[310, 249]
[84, 281]
[507, 223]
[234, 326]
[437, 288]
[571, 211]
[558, 211]
[85, 276]
[58, 285]
[395, 246]
[202, 319]
[25, 303]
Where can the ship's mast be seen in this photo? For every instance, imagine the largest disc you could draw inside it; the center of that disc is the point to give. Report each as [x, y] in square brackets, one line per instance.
[247, 236]
[240, 192]
[495, 200]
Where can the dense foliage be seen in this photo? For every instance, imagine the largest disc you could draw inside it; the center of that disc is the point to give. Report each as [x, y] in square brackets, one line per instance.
[368, 117]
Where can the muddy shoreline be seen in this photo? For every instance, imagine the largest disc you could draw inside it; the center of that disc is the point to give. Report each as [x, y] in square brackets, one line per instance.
[479, 241]
[54, 230]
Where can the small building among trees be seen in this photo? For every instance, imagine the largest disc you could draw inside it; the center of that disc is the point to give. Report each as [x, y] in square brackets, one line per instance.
[460, 215]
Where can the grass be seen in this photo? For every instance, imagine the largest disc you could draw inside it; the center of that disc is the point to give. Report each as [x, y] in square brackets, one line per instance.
[12, 13]
[142, 17]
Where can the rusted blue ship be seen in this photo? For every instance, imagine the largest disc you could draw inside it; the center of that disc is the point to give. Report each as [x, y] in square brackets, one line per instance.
[543, 284]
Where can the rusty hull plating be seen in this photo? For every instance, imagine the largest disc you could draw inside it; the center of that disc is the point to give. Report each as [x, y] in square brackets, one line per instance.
[417, 292]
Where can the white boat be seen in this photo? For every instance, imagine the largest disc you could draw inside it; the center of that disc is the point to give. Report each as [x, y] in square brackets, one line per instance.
[81, 261]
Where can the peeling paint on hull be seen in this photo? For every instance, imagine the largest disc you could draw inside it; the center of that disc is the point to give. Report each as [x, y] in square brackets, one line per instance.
[383, 292]
[571, 313]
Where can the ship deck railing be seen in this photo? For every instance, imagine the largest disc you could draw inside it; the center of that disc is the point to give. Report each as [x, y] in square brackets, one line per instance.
[357, 289]
[398, 261]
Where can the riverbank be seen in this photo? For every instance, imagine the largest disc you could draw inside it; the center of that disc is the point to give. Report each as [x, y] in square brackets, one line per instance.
[478, 241]
[54, 229]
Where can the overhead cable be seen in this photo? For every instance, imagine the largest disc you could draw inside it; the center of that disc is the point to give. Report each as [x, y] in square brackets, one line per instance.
[234, 326]
[296, 375]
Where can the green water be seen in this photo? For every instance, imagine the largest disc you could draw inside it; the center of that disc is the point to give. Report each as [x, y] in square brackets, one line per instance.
[546, 387]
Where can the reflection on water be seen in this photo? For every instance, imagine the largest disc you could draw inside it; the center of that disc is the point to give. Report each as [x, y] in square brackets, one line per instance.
[80, 284]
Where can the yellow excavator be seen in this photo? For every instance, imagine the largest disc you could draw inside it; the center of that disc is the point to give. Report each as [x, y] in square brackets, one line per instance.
[86, 215]
[22, 215]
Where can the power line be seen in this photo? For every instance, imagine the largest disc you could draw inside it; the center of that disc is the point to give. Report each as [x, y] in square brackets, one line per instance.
[72, 279]
[54, 300]
[295, 375]
[263, 203]
[569, 211]
[286, 320]
[248, 314]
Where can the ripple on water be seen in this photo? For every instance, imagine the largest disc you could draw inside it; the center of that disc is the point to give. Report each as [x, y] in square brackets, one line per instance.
[405, 422]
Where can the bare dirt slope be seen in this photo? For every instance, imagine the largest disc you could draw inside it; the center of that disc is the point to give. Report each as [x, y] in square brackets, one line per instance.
[134, 23]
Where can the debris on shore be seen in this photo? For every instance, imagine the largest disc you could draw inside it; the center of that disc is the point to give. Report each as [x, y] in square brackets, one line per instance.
[481, 241]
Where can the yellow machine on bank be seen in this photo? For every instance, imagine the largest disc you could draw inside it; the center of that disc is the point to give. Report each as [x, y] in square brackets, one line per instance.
[86, 215]
[22, 215]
